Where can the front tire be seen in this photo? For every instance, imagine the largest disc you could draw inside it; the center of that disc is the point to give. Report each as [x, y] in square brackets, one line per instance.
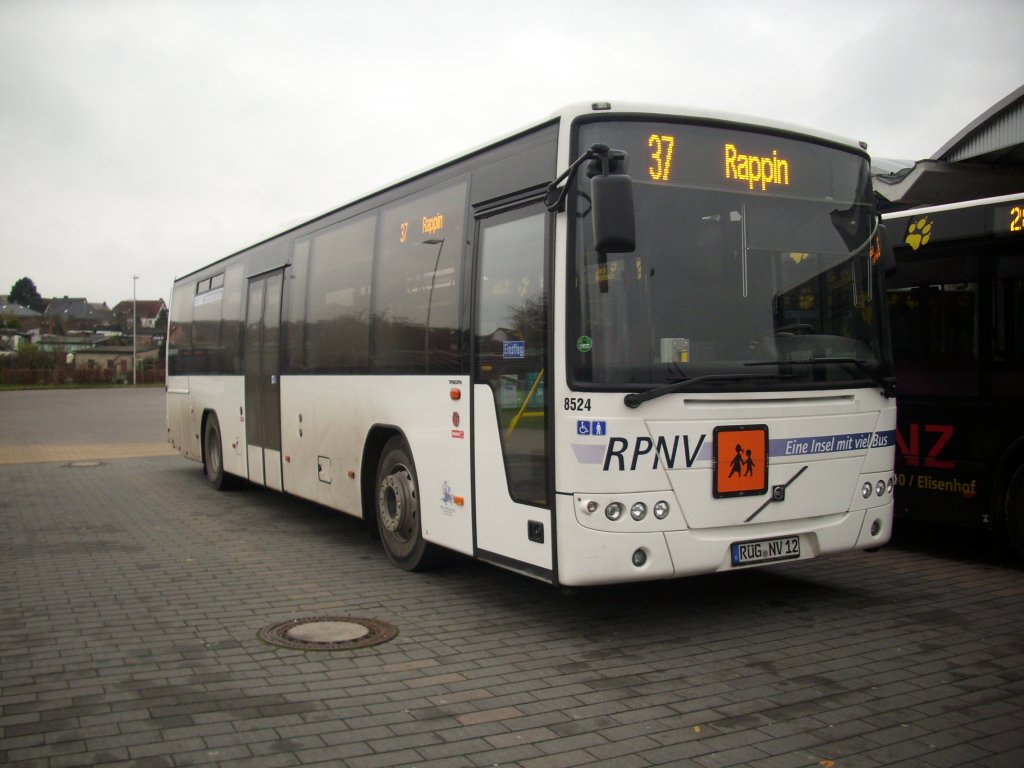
[397, 508]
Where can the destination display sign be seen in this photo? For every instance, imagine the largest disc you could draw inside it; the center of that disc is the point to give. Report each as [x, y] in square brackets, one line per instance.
[426, 219]
[918, 229]
[680, 154]
[1008, 218]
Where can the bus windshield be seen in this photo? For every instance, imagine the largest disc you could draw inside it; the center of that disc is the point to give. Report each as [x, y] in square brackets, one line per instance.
[752, 266]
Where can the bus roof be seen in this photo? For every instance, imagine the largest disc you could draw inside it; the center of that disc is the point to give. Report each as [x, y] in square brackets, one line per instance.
[570, 112]
[565, 115]
[579, 109]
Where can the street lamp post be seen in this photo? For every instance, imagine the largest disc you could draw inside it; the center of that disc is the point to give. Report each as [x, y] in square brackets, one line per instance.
[135, 327]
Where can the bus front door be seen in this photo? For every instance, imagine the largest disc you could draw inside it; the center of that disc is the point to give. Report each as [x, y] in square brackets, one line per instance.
[262, 378]
[512, 468]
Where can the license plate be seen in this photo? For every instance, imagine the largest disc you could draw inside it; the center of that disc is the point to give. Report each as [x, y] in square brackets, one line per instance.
[765, 550]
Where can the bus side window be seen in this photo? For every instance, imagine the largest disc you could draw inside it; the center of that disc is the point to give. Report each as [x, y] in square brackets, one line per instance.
[179, 332]
[416, 283]
[337, 330]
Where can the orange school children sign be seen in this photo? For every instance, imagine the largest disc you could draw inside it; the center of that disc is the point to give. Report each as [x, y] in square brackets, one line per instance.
[740, 461]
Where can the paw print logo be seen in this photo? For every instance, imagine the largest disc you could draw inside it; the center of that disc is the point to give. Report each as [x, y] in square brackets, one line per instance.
[919, 233]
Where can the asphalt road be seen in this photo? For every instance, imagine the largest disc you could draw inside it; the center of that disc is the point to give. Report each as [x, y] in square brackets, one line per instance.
[132, 595]
[57, 425]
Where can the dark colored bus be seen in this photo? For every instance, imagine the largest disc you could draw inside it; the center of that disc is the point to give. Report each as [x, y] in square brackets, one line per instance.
[956, 305]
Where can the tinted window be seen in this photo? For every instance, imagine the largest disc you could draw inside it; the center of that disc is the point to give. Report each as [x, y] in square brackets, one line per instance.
[416, 283]
[231, 321]
[749, 248]
[1008, 337]
[293, 321]
[179, 332]
[337, 332]
[206, 342]
[934, 318]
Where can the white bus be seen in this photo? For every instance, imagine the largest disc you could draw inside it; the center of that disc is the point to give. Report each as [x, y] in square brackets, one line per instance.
[622, 344]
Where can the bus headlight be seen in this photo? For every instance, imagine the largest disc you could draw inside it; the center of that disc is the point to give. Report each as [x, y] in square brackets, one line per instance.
[865, 490]
[880, 488]
[661, 510]
[613, 511]
[638, 511]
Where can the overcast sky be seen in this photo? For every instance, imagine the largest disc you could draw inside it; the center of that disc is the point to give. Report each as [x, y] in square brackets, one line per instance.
[150, 137]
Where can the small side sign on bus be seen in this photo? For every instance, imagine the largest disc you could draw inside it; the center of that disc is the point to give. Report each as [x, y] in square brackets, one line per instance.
[514, 350]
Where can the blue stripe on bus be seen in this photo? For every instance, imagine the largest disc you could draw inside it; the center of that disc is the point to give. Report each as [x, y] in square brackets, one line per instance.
[595, 453]
[850, 441]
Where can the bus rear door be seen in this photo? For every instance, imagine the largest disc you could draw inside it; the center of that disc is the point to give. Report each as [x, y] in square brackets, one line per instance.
[263, 378]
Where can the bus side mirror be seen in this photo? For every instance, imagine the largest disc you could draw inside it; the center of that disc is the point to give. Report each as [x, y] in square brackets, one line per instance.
[611, 200]
[614, 226]
[887, 257]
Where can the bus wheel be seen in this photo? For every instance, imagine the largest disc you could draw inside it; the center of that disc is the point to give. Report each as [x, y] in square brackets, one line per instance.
[398, 508]
[213, 455]
[1015, 511]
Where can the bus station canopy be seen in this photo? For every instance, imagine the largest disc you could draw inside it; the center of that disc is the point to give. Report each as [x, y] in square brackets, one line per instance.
[985, 159]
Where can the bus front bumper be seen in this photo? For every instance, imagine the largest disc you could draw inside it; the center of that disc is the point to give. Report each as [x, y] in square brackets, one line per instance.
[590, 557]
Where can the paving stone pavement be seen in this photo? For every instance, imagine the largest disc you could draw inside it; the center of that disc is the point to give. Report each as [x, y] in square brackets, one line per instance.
[131, 595]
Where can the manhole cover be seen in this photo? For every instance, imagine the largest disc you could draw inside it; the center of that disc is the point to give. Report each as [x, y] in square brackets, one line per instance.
[328, 633]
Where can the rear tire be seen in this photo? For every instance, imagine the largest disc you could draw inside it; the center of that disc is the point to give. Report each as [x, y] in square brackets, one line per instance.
[397, 508]
[213, 455]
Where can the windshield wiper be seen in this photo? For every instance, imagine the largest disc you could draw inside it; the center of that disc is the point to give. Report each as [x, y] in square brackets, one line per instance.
[887, 386]
[635, 399]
